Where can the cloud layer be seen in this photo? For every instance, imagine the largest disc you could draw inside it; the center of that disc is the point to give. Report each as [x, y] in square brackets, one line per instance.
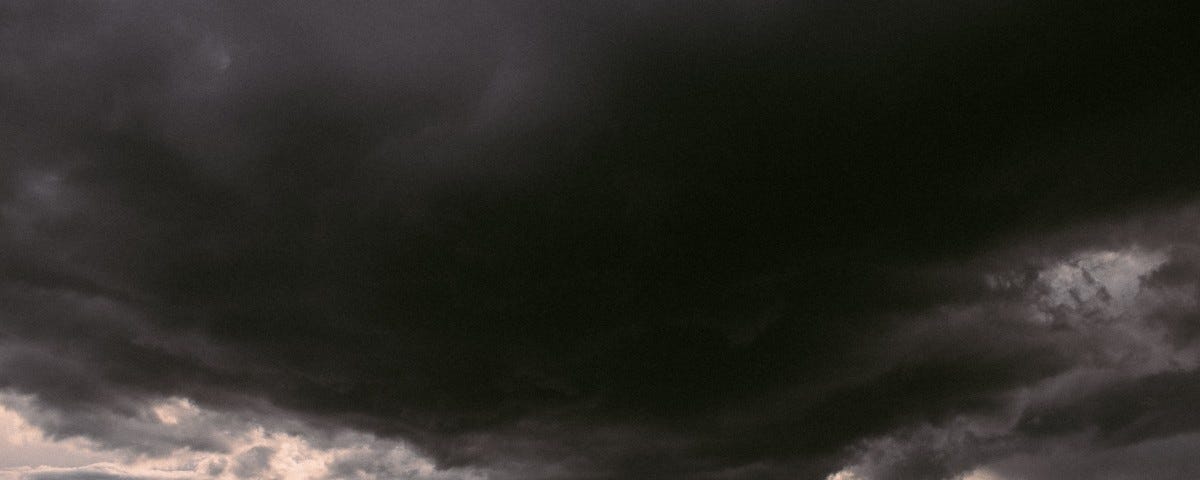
[818, 239]
[189, 442]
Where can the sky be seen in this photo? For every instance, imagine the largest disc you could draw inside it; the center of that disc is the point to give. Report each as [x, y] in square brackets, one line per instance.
[715, 239]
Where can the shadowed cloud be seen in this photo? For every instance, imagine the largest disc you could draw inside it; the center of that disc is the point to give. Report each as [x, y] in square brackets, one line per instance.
[601, 239]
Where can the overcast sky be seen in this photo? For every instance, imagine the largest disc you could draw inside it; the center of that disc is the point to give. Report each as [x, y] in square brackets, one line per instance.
[751, 239]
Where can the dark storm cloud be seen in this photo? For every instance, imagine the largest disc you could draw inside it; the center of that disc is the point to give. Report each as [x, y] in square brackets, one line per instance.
[722, 239]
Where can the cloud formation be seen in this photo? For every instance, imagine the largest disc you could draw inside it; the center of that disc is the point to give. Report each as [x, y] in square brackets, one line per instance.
[532, 240]
[207, 444]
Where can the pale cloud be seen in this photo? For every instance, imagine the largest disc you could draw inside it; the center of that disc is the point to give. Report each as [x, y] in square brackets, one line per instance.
[845, 474]
[23, 445]
[982, 474]
[282, 450]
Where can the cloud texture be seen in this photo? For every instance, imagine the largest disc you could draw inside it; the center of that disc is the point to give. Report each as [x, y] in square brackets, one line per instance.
[821, 239]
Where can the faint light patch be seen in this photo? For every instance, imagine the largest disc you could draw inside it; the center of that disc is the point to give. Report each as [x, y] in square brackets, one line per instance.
[37, 197]
[217, 54]
[204, 70]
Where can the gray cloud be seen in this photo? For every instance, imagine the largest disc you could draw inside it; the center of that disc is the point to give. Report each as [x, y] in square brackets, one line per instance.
[602, 240]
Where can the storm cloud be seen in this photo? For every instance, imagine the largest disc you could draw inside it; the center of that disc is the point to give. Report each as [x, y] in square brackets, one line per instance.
[712, 239]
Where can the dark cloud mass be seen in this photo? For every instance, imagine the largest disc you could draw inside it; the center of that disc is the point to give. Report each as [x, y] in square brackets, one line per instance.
[827, 239]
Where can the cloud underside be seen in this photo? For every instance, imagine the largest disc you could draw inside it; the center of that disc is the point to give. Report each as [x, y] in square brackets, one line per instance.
[629, 240]
[250, 446]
